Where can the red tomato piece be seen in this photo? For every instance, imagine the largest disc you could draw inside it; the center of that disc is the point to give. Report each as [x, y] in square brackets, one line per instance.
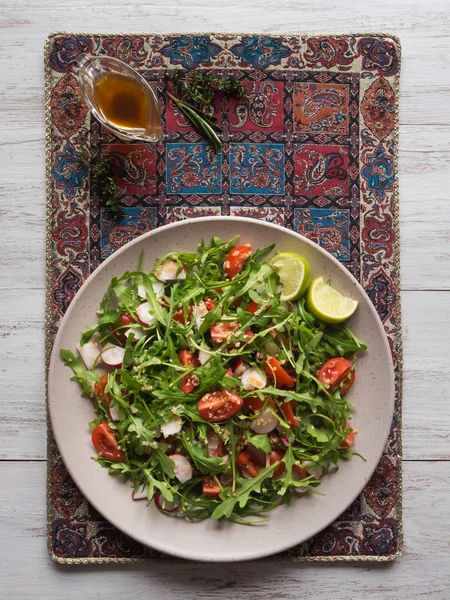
[255, 404]
[277, 374]
[333, 372]
[277, 456]
[288, 411]
[349, 440]
[347, 383]
[99, 390]
[209, 303]
[299, 472]
[219, 406]
[236, 259]
[180, 316]
[106, 444]
[252, 307]
[188, 359]
[215, 445]
[246, 464]
[210, 487]
[189, 383]
[126, 319]
[222, 330]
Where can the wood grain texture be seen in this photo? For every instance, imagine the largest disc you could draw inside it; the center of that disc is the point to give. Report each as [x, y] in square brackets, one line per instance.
[28, 573]
[424, 28]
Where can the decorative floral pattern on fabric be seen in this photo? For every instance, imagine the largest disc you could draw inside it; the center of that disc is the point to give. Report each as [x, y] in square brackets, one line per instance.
[321, 108]
[314, 151]
[256, 169]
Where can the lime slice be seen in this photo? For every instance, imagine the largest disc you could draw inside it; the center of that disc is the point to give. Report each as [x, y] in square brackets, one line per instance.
[327, 304]
[294, 273]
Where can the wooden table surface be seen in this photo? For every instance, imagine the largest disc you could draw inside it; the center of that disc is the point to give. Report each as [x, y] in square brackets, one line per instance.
[423, 26]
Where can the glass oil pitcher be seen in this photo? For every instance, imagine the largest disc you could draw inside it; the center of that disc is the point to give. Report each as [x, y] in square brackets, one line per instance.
[120, 98]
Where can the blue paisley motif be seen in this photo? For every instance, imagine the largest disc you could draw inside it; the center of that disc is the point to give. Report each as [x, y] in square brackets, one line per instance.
[66, 50]
[378, 55]
[379, 173]
[190, 50]
[67, 173]
[261, 51]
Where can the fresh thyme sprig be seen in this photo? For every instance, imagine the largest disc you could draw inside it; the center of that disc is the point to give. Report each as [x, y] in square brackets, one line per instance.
[102, 179]
[196, 91]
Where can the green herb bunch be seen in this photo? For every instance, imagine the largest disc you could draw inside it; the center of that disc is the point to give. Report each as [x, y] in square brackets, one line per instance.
[103, 180]
[196, 90]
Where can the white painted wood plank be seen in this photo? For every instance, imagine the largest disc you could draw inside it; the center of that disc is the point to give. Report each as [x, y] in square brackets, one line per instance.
[426, 422]
[27, 572]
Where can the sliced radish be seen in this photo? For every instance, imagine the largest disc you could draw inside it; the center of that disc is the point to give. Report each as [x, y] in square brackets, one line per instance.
[203, 356]
[89, 353]
[313, 469]
[167, 271]
[140, 494]
[138, 333]
[113, 412]
[265, 422]
[253, 379]
[165, 505]
[240, 368]
[144, 315]
[225, 459]
[183, 468]
[113, 355]
[215, 444]
[172, 427]
[199, 313]
[157, 286]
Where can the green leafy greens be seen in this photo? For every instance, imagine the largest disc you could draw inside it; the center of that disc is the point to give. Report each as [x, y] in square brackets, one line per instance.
[154, 418]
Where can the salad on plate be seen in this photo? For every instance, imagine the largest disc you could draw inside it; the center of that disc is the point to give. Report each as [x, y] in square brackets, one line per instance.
[219, 380]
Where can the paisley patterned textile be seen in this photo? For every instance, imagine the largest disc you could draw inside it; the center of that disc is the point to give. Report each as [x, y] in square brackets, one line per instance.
[315, 151]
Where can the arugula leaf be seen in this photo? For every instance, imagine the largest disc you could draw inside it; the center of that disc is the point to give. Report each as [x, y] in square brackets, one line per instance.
[319, 434]
[81, 374]
[261, 441]
[243, 494]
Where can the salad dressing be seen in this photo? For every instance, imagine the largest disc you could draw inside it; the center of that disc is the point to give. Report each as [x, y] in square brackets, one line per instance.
[124, 103]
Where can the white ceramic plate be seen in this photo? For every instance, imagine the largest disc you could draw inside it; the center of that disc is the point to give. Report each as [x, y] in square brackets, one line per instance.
[373, 395]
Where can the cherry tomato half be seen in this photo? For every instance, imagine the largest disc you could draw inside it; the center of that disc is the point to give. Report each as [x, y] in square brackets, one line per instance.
[215, 445]
[333, 372]
[209, 303]
[252, 307]
[255, 404]
[210, 487]
[288, 411]
[277, 374]
[276, 456]
[189, 383]
[219, 406]
[347, 383]
[246, 464]
[179, 315]
[236, 259]
[188, 359]
[99, 390]
[221, 330]
[349, 440]
[299, 473]
[126, 319]
[106, 444]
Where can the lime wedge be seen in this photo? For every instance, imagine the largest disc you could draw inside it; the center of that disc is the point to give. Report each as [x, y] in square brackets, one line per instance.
[294, 273]
[327, 304]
